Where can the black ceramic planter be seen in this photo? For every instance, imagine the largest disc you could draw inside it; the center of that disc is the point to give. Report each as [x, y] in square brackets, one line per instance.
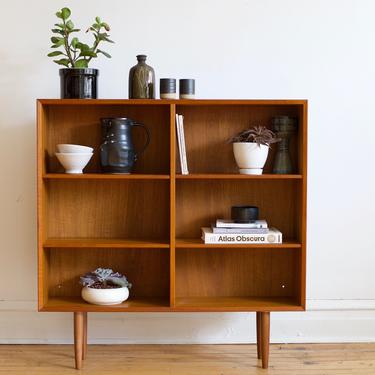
[79, 83]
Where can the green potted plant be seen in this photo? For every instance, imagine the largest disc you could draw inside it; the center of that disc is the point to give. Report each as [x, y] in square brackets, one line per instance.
[77, 80]
[104, 287]
[250, 148]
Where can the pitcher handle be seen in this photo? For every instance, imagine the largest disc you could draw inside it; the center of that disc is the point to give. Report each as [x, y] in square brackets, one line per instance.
[147, 141]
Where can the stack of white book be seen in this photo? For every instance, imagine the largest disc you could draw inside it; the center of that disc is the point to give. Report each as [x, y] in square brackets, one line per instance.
[229, 232]
[181, 143]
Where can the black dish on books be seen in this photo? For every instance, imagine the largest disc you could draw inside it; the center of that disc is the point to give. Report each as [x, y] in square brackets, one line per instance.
[244, 214]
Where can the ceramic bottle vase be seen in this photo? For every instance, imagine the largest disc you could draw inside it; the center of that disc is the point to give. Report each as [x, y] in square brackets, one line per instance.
[141, 80]
[285, 127]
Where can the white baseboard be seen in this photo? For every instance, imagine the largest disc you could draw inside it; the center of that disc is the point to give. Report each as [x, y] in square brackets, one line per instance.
[324, 321]
[340, 304]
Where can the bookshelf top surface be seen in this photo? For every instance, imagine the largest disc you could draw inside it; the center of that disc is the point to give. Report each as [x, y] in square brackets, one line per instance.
[174, 101]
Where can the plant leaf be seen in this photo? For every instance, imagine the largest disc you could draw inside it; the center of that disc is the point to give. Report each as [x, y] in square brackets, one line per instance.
[120, 281]
[74, 42]
[88, 279]
[70, 25]
[58, 31]
[98, 20]
[88, 53]
[65, 13]
[105, 36]
[57, 42]
[61, 25]
[56, 39]
[103, 273]
[91, 28]
[106, 54]
[106, 26]
[82, 46]
[59, 15]
[64, 62]
[81, 64]
[55, 53]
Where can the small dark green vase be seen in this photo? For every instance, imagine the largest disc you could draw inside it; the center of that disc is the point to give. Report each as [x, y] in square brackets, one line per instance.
[141, 80]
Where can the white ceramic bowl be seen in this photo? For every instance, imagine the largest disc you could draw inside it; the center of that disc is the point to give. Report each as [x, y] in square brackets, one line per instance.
[69, 148]
[73, 163]
[113, 296]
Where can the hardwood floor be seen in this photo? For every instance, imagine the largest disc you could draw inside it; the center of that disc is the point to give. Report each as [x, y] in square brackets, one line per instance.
[297, 359]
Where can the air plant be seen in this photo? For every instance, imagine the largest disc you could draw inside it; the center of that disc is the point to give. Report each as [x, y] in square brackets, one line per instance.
[257, 134]
[104, 278]
[76, 54]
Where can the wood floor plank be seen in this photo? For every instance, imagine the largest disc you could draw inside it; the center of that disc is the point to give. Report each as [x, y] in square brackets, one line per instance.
[297, 359]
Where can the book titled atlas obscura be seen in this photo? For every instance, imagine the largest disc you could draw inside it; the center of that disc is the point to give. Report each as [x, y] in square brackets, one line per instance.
[273, 236]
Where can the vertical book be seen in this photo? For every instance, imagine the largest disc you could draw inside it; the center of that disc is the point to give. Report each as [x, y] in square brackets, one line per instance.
[181, 143]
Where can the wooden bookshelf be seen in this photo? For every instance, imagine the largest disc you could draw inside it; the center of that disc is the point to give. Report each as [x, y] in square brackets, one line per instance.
[147, 224]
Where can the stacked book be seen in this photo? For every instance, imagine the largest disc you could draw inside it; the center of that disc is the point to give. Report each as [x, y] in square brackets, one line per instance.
[181, 143]
[230, 232]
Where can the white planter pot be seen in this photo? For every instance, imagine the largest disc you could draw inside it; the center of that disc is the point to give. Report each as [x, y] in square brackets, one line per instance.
[250, 157]
[113, 296]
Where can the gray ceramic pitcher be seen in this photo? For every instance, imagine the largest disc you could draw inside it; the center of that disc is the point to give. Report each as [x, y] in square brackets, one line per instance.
[117, 153]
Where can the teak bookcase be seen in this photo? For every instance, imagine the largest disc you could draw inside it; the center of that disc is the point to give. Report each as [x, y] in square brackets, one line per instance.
[147, 224]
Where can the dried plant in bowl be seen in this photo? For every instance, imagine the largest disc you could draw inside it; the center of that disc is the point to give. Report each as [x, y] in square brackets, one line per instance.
[257, 134]
[250, 148]
[105, 287]
[104, 278]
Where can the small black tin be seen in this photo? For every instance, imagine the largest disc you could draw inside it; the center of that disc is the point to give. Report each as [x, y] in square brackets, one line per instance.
[244, 214]
[187, 88]
[168, 88]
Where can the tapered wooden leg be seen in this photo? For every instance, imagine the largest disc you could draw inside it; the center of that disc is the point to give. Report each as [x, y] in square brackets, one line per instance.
[78, 338]
[84, 344]
[265, 340]
[259, 334]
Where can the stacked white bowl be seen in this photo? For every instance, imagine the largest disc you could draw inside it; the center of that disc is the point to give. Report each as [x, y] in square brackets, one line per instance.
[74, 157]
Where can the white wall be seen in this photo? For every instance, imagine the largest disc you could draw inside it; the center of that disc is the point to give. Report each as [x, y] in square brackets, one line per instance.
[315, 49]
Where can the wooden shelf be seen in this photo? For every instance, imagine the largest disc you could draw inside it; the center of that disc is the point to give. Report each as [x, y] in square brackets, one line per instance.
[228, 176]
[156, 244]
[192, 176]
[104, 243]
[183, 304]
[237, 304]
[198, 243]
[103, 176]
[70, 304]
